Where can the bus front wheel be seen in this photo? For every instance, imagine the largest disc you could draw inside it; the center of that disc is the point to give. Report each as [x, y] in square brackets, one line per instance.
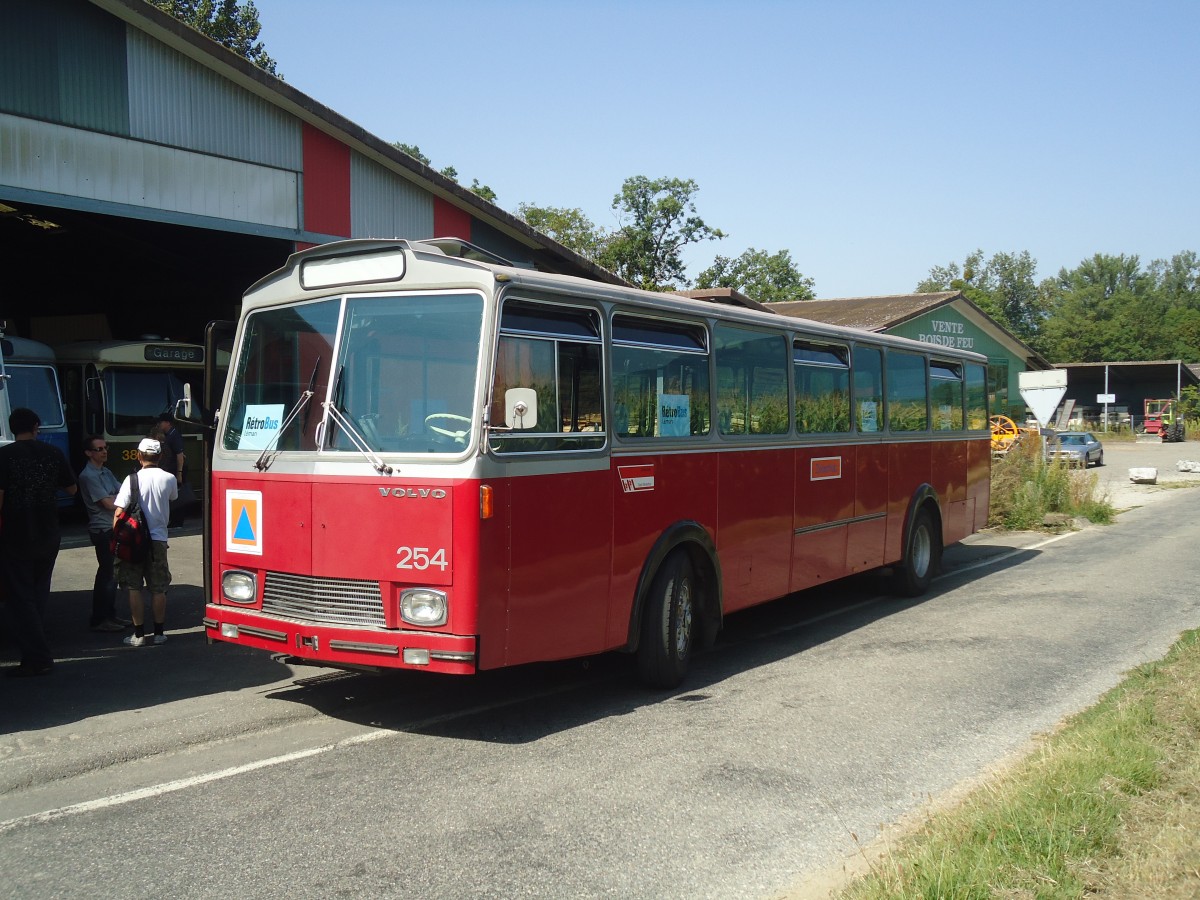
[668, 624]
[922, 556]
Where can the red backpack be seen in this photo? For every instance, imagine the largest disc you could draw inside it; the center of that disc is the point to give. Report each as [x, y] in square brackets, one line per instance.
[131, 535]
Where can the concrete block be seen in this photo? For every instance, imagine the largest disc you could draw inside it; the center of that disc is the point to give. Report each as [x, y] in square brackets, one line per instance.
[1188, 465]
[1144, 475]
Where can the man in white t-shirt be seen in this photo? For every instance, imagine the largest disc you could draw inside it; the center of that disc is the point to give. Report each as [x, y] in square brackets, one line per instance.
[156, 490]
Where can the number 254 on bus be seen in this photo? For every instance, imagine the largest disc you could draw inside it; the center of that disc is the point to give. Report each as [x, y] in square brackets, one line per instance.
[428, 462]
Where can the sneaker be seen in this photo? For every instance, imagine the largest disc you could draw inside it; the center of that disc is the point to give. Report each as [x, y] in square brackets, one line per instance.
[108, 625]
[124, 623]
[134, 641]
[160, 639]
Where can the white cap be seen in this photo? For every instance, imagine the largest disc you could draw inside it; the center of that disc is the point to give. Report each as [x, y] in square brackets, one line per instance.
[149, 445]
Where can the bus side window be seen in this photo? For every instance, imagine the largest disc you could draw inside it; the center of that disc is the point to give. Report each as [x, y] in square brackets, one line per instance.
[868, 389]
[752, 381]
[977, 408]
[554, 351]
[660, 378]
[946, 395]
[822, 377]
[907, 392]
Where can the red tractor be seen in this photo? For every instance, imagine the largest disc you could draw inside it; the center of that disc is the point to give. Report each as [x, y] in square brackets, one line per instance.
[1162, 419]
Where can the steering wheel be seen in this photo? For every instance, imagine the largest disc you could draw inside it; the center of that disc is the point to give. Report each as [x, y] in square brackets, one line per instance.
[459, 437]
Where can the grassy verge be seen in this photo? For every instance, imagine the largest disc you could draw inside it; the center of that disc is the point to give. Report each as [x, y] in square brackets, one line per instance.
[1025, 488]
[1108, 806]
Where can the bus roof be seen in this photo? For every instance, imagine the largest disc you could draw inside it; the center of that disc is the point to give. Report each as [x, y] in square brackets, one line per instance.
[24, 350]
[143, 352]
[367, 266]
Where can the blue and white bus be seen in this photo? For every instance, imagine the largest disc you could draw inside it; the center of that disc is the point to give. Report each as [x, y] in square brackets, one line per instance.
[30, 379]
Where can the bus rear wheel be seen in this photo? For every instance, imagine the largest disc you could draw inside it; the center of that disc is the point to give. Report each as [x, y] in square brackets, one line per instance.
[668, 624]
[922, 556]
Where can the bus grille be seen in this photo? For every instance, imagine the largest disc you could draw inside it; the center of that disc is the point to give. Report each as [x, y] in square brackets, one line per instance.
[338, 601]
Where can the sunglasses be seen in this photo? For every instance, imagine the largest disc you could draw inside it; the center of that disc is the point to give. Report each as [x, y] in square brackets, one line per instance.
[98, 450]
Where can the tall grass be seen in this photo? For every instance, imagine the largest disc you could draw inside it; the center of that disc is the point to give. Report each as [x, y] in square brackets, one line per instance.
[1026, 487]
[1105, 807]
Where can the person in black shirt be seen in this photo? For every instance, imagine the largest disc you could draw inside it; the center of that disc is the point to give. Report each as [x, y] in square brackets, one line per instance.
[31, 472]
[174, 462]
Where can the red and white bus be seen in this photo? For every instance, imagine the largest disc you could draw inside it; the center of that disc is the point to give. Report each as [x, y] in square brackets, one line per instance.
[424, 461]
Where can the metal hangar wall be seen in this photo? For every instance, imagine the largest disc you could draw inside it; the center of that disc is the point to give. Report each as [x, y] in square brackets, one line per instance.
[148, 176]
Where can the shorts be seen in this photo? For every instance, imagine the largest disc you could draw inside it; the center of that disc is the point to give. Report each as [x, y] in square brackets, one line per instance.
[152, 572]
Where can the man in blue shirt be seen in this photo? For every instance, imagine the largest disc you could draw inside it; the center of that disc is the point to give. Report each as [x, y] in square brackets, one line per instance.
[98, 488]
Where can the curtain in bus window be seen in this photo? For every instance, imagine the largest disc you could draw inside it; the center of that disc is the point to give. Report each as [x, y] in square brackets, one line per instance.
[752, 381]
[565, 376]
[406, 375]
[907, 393]
[283, 352]
[946, 395]
[659, 393]
[977, 408]
[868, 389]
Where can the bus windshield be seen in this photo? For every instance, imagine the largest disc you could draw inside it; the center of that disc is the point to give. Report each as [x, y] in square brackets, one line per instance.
[36, 388]
[403, 381]
[136, 397]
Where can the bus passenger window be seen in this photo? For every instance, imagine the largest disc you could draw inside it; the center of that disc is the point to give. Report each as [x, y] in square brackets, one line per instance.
[868, 389]
[554, 351]
[660, 378]
[907, 393]
[946, 395]
[977, 407]
[822, 377]
[752, 382]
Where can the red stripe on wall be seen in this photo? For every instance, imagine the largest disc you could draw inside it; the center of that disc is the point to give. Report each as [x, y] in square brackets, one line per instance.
[450, 221]
[326, 184]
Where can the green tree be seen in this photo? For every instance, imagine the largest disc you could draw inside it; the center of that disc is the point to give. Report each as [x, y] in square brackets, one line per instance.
[657, 220]
[481, 190]
[570, 227]
[1104, 310]
[1004, 287]
[767, 278]
[230, 23]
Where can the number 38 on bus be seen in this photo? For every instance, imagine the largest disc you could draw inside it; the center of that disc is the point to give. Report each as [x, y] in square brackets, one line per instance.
[428, 462]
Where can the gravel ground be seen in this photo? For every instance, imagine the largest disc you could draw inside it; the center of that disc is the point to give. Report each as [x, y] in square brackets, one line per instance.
[1120, 457]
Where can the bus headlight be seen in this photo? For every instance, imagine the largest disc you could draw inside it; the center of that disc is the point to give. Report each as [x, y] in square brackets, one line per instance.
[239, 587]
[422, 606]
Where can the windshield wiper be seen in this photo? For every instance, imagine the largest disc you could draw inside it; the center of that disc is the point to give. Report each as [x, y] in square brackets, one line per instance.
[269, 452]
[347, 425]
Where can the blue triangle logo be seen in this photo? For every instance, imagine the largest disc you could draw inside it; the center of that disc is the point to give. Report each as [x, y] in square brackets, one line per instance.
[243, 531]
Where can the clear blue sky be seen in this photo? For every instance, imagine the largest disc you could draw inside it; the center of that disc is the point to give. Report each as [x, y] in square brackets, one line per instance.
[872, 140]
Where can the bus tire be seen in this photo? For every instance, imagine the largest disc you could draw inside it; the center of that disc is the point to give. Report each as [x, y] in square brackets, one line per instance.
[922, 556]
[669, 621]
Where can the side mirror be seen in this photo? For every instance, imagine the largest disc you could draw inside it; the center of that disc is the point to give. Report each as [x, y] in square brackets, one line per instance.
[183, 406]
[520, 409]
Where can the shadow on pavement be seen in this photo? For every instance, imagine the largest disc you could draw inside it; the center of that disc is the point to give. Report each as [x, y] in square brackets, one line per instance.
[97, 675]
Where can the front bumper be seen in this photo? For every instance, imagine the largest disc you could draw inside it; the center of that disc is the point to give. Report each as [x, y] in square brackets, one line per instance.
[332, 645]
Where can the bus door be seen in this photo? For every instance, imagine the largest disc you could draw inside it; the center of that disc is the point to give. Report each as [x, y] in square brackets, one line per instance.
[547, 429]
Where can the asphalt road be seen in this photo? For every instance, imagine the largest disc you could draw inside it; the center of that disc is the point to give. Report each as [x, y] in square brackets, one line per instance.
[200, 771]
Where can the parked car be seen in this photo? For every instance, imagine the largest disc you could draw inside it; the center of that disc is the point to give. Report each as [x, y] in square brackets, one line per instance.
[1077, 448]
